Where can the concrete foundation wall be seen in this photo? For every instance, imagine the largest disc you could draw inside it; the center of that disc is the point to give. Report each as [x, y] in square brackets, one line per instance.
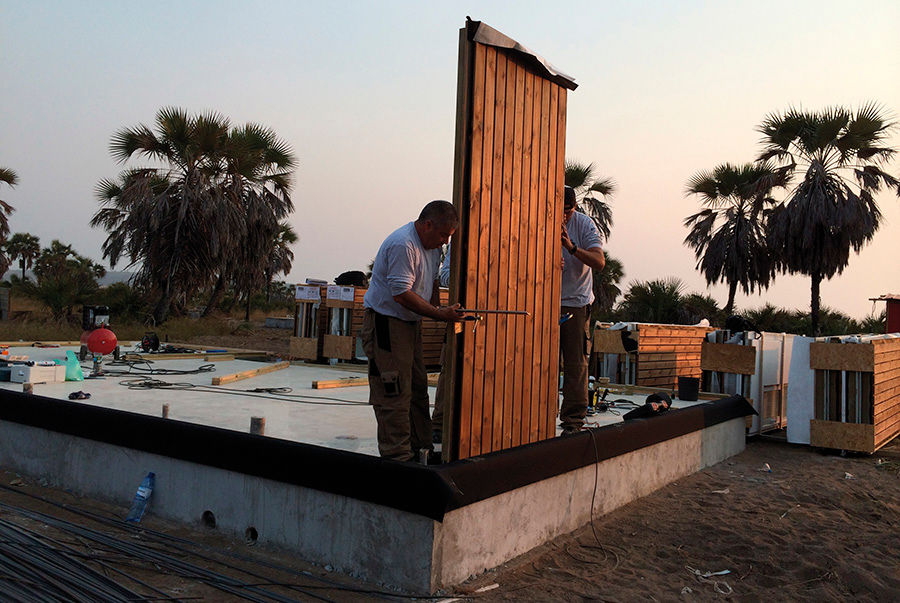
[373, 542]
[490, 532]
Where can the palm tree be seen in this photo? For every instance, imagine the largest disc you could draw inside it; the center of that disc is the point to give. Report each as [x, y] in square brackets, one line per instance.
[836, 156]
[171, 221]
[24, 246]
[606, 284]
[729, 235]
[653, 301]
[587, 184]
[281, 257]
[11, 178]
[257, 168]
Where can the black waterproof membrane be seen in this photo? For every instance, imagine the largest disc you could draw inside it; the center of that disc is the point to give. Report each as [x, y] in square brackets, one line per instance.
[430, 491]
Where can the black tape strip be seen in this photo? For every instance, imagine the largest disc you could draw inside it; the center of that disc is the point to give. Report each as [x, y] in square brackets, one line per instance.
[429, 491]
[382, 332]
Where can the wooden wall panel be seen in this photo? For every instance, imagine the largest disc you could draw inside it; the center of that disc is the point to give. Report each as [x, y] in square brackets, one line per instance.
[666, 352]
[506, 253]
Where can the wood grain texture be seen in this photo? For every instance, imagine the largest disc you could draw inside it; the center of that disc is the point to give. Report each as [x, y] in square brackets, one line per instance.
[728, 358]
[505, 384]
[842, 356]
[842, 436]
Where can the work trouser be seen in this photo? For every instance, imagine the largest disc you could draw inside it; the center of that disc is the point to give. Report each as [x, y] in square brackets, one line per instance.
[398, 384]
[575, 347]
[437, 417]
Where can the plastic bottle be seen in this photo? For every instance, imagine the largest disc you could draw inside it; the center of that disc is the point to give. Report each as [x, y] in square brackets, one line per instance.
[141, 499]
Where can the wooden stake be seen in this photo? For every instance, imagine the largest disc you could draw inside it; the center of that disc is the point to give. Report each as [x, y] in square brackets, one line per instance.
[360, 381]
[258, 425]
[165, 411]
[250, 374]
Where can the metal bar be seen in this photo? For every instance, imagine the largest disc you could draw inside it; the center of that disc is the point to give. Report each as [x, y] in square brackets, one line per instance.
[479, 311]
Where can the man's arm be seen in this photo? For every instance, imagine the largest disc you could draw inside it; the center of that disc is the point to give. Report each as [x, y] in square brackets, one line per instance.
[592, 257]
[414, 303]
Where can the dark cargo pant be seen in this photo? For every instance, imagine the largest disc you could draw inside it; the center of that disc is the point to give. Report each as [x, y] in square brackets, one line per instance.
[575, 347]
[398, 384]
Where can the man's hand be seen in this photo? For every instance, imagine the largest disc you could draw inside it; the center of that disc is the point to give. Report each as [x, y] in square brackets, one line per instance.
[565, 240]
[450, 313]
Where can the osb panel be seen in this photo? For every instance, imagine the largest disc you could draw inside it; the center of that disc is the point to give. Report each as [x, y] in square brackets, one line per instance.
[608, 342]
[338, 346]
[507, 254]
[339, 303]
[842, 436]
[842, 356]
[304, 347]
[728, 358]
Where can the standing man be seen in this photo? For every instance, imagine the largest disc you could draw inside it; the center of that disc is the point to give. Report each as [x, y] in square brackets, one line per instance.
[401, 291]
[581, 253]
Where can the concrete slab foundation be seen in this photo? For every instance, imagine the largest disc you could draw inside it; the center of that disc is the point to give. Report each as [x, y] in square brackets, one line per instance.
[409, 526]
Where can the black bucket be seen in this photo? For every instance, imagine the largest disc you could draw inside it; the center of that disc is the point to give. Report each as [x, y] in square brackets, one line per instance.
[688, 388]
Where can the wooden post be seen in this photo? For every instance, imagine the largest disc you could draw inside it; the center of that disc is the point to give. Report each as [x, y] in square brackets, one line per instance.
[165, 411]
[27, 388]
[258, 425]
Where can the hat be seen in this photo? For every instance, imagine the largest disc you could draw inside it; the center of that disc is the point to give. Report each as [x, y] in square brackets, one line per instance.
[569, 201]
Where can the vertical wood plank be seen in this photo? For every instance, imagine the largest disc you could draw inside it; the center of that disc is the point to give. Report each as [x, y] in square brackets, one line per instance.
[536, 259]
[471, 250]
[515, 294]
[484, 241]
[556, 213]
[526, 254]
[544, 369]
[494, 220]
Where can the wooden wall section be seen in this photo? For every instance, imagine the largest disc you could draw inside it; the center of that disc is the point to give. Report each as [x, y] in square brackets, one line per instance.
[508, 186]
[886, 403]
[666, 352]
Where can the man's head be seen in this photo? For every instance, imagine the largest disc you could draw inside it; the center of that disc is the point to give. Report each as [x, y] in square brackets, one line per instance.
[569, 203]
[436, 223]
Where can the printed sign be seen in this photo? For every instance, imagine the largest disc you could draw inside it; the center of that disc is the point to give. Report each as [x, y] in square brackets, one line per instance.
[308, 293]
[338, 292]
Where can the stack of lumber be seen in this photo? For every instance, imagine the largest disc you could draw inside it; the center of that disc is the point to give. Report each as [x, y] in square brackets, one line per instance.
[666, 352]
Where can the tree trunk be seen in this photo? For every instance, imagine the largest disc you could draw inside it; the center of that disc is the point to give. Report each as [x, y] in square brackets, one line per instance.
[732, 290]
[247, 313]
[216, 297]
[814, 303]
[22, 266]
[161, 310]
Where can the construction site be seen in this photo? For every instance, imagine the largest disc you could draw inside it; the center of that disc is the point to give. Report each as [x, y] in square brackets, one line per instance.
[280, 452]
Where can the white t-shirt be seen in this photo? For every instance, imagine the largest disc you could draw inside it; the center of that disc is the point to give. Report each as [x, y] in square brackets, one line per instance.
[401, 265]
[577, 280]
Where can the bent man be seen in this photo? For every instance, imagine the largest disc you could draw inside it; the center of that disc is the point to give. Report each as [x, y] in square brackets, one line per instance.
[401, 291]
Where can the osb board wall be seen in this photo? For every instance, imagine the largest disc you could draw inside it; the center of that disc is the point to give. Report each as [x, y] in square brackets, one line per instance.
[842, 356]
[508, 179]
[728, 358]
[886, 401]
[842, 436]
[666, 352]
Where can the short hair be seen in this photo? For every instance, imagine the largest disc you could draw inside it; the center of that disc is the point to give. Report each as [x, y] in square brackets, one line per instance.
[569, 201]
[440, 212]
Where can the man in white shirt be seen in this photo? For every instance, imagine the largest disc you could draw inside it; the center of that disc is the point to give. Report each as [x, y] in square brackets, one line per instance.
[581, 253]
[401, 291]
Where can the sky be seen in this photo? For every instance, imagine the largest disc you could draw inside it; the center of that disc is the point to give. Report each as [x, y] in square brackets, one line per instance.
[365, 93]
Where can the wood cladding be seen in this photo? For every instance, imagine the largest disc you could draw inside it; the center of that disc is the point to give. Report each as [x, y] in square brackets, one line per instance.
[508, 187]
[666, 352]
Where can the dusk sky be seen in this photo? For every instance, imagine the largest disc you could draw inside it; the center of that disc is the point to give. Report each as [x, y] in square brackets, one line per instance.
[365, 94]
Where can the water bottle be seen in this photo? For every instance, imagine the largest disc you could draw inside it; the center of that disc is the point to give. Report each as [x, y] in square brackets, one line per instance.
[141, 499]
